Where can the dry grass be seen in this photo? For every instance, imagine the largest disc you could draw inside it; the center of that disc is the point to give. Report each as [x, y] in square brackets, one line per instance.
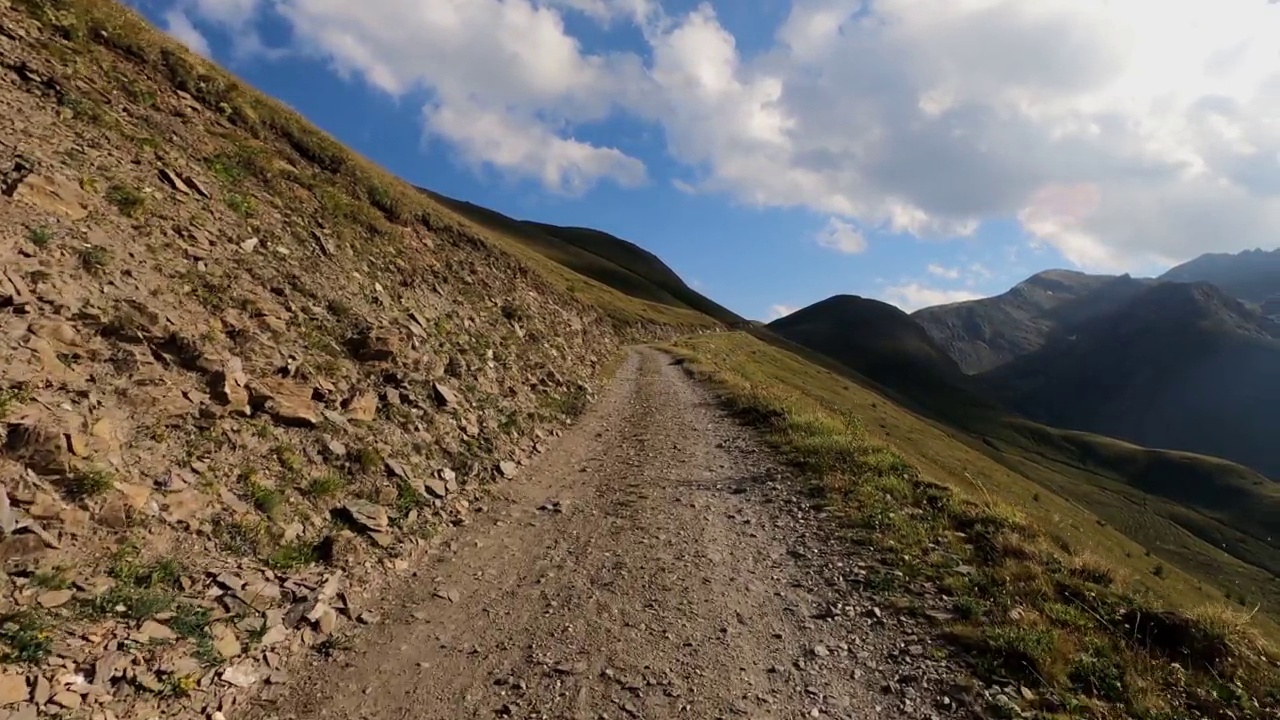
[1030, 606]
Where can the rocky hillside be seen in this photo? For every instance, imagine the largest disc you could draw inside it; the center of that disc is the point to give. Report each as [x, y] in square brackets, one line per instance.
[1180, 366]
[1252, 275]
[246, 373]
[984, 334]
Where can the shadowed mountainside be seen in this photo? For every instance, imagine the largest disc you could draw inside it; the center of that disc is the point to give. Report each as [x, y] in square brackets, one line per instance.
[617, 263]
[1252, 275]
[1179, 366]
[984, 334]
[1147, 492]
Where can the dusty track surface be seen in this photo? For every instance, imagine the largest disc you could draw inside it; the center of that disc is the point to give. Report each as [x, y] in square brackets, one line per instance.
[645, 568]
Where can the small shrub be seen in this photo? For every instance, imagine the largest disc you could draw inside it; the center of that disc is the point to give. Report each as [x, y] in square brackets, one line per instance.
[226, 168]
[407, 499]
[1159, 571]
[94, 258]
[1098, 675]
[128, 568]
[368, 459]
[332, 645]
[329, 483]
[26, 637]
[133, 603]
[40, 236]
[289, 458]
[88, 482]
[191, 621]
[238, 537]
[292, 555]
[11, 398]
[239, 204]
[55, 579]
[1032, 650]
[127, 200]
[265, 498]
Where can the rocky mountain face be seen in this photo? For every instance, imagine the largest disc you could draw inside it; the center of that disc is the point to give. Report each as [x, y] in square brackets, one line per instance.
[984, 334]
[1252, 275]
[1180, 366]
[245, 373]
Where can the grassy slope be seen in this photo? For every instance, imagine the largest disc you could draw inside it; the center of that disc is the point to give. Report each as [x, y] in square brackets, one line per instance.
[1185, 508]
[1079, 635]
[603, 258]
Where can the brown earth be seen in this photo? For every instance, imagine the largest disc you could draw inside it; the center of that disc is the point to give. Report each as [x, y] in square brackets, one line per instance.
[656, 563]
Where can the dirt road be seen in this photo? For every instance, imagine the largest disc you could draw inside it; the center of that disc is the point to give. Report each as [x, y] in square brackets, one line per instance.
[649, 567]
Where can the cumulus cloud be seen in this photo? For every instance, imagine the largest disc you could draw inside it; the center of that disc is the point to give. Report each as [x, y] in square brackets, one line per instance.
[1120, 132]
[526, 147]
[913, 296]
[177, 24]
[504, 81]
[842, 237]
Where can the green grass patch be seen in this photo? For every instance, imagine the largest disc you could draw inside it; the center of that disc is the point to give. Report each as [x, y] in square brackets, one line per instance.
[40, 236]
[1029, 608]
[243, 537]
[368, 460]
[94, 259]
[88, 482]
[128, 200]
[55, 579]
[241, 205]
[292, 555]
[325, 485]
[27, 637]
[11, 398]
[266, 499]
[289, 458]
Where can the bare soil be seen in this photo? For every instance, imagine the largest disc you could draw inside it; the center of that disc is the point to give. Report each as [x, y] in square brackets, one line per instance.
[656, 563]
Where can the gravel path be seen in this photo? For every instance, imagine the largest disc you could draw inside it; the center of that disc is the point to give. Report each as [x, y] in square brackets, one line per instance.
[651, 566]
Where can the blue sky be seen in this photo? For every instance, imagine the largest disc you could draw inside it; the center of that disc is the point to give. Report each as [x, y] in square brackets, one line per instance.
[780, 151]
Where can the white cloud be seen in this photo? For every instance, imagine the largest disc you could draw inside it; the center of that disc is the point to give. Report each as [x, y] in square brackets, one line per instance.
[180, 27]
[229, 12]
[1120, 132]
[842, 237]
[913, 296]
[780, 311]
[506, 82]
[607, 11]
[942, 271]
[526, 147]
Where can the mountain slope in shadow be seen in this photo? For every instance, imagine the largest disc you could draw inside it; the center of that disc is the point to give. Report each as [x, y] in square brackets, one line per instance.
[1180, 366]
[1220, 502]
[984, 334]
[617, 263]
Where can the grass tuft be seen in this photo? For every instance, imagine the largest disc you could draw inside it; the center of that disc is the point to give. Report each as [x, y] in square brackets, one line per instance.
[94, 259]
[88, 482]
[40, 236]
[128, 200]
[368, 460]
[325, 485]
[27, 637]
